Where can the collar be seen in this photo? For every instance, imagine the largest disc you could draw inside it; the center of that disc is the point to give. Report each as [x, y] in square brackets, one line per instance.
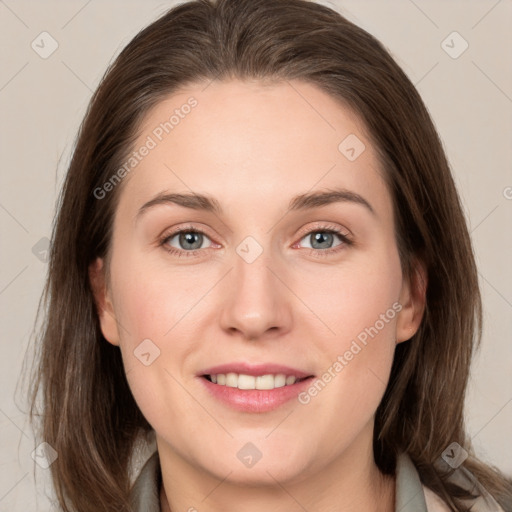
[409, 495]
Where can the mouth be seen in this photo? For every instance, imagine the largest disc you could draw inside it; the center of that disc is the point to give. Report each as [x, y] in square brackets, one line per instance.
[255, 389]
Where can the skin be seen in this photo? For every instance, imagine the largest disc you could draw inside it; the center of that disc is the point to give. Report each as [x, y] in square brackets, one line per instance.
[254, 146]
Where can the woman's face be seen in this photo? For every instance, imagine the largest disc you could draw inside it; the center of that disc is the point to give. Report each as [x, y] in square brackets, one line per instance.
[260, 278]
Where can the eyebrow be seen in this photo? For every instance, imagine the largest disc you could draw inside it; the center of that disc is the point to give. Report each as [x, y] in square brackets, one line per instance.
[300, 202]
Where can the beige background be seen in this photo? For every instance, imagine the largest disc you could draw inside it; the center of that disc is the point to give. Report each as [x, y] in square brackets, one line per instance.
[42, 102]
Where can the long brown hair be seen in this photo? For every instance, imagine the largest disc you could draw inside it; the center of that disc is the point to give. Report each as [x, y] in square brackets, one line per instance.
[88, 414]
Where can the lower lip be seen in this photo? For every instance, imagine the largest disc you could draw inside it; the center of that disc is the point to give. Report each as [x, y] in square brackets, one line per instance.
[255, 400]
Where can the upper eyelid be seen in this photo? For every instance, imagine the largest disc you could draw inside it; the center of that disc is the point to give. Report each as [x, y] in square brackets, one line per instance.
[326, 226]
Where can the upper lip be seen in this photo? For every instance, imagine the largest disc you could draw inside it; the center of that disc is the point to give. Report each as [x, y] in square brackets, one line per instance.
[254, 369]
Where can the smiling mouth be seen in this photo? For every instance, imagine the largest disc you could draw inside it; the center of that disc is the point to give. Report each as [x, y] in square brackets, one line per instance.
[251, 382]
[255, 393]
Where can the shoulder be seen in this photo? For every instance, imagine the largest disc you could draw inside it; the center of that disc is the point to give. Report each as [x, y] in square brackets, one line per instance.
[145, 491]
[410, 498]
[434, 502]
[145, 474]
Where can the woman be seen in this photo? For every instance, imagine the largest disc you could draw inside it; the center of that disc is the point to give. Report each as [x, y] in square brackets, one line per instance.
[325, 376]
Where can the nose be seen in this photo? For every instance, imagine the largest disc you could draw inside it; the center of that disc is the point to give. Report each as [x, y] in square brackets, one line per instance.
[257, 303]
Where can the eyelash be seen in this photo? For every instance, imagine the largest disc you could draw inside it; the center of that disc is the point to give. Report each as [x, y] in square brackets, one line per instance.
[320, 253]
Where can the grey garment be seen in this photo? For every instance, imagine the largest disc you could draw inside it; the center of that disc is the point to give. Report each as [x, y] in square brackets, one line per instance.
[145, 496]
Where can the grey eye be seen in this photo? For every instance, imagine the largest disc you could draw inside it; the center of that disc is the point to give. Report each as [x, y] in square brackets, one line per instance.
[321, 239]
[188, 240]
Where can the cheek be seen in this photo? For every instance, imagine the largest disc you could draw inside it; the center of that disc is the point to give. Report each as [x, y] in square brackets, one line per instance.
[152, 301]
[353, 297]
[157, 313]
[359, 305]
[152, 309]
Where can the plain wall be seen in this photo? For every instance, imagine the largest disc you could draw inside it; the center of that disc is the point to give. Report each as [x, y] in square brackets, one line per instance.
[42, 102]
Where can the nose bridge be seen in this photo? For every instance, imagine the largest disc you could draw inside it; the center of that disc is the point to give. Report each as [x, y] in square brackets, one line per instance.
[256, 302]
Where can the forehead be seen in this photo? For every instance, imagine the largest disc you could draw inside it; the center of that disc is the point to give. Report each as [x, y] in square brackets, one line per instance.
[253, 142]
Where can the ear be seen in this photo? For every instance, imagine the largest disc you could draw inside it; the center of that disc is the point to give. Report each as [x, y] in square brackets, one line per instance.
[413, 300]
[102, 298]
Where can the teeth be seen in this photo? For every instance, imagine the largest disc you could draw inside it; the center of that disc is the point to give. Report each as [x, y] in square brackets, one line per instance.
[290, 380]
[242, 381]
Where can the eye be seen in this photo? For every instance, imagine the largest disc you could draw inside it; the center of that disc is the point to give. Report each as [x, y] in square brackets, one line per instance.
[184, 241]
[322, 238]
[188, 241]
